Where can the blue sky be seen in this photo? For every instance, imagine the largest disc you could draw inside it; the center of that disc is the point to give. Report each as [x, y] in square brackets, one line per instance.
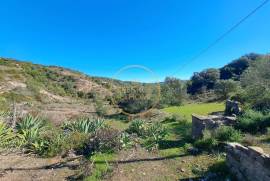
[100, 37]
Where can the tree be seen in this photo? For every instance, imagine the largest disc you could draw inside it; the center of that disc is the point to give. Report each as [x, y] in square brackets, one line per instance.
[172, 92]
[256, 84]
[234, 69]
[223, 88]
[136, 98]
[202, 81]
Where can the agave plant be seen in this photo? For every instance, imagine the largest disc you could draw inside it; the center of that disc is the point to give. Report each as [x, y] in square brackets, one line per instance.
[6, 134]
[29, 122]
[157, 131]
[154, 134]
[84, 125]
[29, 129]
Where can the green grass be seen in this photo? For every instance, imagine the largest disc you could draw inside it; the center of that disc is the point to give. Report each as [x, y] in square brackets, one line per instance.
[117, 124]
[203, 109]
[180, 130]
[101, 167]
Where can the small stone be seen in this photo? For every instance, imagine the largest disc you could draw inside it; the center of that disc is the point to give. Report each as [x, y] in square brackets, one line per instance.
[182, 170]
[184, 161]
[132, 170]
[144, 173]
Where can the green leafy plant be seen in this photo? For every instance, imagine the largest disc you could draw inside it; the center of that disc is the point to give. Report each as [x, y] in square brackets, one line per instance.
[228, 133]
[207, 142]
[125, 140]
[138, 127]
[6, 134]
[84, 125]
[154, 134]
[29, 130]
[29, 122]
[253, 121]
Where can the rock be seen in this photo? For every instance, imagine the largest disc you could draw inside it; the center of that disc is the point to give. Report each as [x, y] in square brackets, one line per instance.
[182, 170]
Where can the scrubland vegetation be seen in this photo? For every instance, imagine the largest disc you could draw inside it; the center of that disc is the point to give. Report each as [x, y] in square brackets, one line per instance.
[165, 135]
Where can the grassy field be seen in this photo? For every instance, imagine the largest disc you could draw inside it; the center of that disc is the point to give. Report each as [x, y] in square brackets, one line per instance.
[180, 137]
[202, 109]
[175, 144]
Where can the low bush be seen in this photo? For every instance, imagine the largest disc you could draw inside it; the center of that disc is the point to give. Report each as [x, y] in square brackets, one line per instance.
[207, 142]
[211, 139]
[228, 133]
[155, 133]
[6, 135]
[152, 133]
[105, 140]
[253, 122]
[138, 127]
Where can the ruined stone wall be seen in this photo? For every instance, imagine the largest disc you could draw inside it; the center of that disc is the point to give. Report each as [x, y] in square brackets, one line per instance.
[248, 163]
[232, 107]
[200, 123]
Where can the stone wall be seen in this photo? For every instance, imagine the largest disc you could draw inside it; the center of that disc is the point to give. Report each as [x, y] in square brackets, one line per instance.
[200, 123]
[248, 163]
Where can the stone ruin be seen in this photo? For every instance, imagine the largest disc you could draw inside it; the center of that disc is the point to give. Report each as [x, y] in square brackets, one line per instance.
[248, 163]
[232, 107]
[211, 122]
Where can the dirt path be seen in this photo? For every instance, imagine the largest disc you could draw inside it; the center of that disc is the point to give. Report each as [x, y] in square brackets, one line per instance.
[15, 167]
[138, 164]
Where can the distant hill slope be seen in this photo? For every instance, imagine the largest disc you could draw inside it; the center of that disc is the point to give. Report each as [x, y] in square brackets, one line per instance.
[51, 89]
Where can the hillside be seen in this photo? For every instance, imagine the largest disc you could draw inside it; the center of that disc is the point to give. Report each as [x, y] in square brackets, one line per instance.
[57, 92]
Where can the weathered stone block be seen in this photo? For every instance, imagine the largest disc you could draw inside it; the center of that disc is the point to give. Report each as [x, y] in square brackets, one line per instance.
[248, 163]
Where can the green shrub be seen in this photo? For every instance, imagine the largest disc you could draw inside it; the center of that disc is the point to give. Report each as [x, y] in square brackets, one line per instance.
[208, 142]
[228, 133]
[6, 134]
[156, 131]
[138, 127]
[154, 134]
[253, 122]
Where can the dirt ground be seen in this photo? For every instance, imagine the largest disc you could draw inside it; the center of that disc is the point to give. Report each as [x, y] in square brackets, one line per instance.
[16, 167]
[138, 164]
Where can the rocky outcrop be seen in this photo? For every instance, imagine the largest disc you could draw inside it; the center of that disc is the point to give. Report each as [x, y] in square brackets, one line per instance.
[248, 163]
[200, 123]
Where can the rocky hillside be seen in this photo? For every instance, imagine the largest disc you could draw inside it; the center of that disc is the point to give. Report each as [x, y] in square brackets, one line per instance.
[57, 92]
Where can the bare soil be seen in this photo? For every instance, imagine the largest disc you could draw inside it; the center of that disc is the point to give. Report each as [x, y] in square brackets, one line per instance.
[18, 167]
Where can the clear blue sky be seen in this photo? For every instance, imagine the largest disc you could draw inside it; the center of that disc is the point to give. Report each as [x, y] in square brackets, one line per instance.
[99, 37]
